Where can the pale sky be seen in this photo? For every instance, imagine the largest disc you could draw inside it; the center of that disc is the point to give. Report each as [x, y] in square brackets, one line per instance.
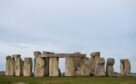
[108, 26]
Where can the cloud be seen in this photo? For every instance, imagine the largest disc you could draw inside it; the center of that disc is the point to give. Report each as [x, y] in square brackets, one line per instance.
[69, 26]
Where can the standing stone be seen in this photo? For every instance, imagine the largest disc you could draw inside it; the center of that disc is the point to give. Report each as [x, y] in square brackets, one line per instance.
[53, 66]
[77, 59]
[85, 67]
[109, 67]
[8, 62]
[125, 67]
[69, 66]
[78, 72]
[39, 65]
[18, 65]
[10, 66]
[100, 65]
[77, 62]
[27, 67]
[95, 56]
[46, 62]
[22, 64]
[36, 54]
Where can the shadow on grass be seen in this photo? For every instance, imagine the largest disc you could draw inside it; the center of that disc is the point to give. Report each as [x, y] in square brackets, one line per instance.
[9, 82]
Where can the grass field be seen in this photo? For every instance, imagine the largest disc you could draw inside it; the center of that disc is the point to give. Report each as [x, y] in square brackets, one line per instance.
[69, 80]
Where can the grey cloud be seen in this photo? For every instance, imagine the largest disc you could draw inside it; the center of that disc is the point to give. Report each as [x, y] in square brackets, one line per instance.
[86, 26]
[14, 36]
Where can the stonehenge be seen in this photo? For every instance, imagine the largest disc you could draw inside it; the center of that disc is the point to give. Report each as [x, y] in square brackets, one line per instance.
[95, 56]
[18, 65]
[46, 63]
[27, 67]
[39, 64]
[100, 67]
[85, 67]
[76, 64]
[14, 65]
[125, 67]
[10, 66]
[54, 67]
[69, 67]
[109, 67]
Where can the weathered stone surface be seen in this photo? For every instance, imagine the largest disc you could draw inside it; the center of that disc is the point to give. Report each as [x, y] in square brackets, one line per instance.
[8, 60]
[39, 65]
[85, 67]
[100, 67]
[18, 65]
[27, 67]
[69, 67]
[109, 67]
[46, 63]
[95, 56]
[53, 66]
[64, 55]
[125, 67]
[77, 72]
[77, 62]
[46, 66]
[22, 64]
[36, 54]
[10, 66]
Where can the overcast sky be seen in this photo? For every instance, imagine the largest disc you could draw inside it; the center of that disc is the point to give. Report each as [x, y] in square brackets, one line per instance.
[108, 26]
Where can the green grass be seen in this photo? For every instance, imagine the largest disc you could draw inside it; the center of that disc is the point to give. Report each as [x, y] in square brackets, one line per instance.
[69, 80]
